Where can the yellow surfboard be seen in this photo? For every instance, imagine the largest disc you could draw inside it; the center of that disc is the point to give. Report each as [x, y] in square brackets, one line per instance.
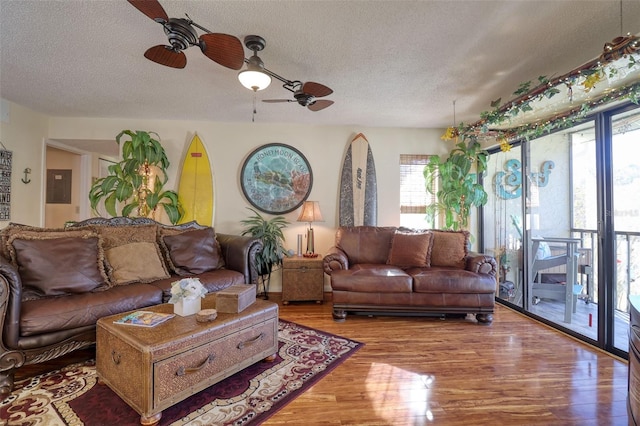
[195, 189]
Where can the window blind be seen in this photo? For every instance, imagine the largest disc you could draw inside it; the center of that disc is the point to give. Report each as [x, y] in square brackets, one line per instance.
[414, 197]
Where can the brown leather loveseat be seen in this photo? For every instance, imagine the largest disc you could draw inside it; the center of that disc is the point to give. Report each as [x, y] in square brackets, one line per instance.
[55, 284]
[404, 271]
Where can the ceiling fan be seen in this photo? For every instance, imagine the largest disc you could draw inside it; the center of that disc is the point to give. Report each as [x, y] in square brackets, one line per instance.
[224, 49]
[306, 94]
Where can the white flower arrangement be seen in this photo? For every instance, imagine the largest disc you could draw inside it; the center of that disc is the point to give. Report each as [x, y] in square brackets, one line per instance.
[187, 289]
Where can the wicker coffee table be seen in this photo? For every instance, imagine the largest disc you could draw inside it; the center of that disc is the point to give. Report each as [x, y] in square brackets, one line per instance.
[152, 369]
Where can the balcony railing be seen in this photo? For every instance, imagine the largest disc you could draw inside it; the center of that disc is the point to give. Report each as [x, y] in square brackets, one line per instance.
[627, 268]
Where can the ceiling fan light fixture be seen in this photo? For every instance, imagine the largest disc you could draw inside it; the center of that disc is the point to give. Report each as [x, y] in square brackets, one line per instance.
[253, 78]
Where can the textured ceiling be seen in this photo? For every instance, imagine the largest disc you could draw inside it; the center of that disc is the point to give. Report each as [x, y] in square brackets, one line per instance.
[390, 63]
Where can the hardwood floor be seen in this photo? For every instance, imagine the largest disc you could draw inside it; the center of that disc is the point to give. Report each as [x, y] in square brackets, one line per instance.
[427, 371]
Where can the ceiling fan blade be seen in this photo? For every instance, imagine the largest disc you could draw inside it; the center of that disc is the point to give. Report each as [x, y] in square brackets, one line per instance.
[224, 49]
[151, 8]
[316, 89]
[164, 55]
[321, 104]
[273, 101]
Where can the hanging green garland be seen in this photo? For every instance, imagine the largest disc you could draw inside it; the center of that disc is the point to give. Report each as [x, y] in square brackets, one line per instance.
[621, 56]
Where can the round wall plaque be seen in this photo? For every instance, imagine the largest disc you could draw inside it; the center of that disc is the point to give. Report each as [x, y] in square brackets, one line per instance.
[276, 178]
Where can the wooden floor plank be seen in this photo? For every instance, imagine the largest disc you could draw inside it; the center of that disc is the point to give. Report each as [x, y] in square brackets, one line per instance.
[428, 371]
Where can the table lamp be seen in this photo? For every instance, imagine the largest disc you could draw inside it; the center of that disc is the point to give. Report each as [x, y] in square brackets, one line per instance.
[310, 213]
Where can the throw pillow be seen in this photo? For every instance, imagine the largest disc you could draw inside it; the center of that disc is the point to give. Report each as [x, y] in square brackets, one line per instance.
[450, 248]
[114, 236]
[26, 232]
[193, 252]
[13, 228]
[58, 265]
[135, 262]
[122, 241]
[411, 250]
[6, 233]
[365, 244]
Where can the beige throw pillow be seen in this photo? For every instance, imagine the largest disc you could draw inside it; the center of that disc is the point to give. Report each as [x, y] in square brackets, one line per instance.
[145, 266]
[135, 262]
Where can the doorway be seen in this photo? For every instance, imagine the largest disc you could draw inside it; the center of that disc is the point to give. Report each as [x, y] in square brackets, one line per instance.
[87, 159]
[62, 187]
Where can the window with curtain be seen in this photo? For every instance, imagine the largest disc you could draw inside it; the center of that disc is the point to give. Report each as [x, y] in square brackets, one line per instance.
[414, 197]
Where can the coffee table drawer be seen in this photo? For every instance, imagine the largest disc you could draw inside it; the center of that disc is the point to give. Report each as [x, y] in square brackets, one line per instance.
[189, 372]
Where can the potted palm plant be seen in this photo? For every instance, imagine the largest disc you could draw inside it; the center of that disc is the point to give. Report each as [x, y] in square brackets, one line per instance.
[136, 184]
[269, 231]
[457, 186]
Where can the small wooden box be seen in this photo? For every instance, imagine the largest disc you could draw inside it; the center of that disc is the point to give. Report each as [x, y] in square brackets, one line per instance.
[236, 298]
[302, 279]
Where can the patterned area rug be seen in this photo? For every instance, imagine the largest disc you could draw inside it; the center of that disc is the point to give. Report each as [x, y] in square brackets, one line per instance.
[71, 396]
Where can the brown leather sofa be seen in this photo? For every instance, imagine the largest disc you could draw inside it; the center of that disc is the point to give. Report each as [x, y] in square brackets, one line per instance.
[55, 284]
[389, 270]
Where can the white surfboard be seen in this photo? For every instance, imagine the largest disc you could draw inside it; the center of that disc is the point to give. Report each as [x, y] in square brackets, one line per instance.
[358, 186]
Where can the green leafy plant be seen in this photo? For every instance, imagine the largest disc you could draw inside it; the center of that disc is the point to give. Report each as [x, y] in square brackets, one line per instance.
[269, 231]
[457, 187]
[135, 184]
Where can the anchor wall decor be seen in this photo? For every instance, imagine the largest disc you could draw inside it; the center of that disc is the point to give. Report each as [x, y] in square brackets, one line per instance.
[26, 179]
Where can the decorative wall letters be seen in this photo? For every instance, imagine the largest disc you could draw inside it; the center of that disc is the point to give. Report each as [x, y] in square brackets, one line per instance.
[508, 184]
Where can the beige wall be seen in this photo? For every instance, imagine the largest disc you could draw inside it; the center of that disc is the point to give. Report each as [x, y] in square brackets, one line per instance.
[23, 132]
[229, 143]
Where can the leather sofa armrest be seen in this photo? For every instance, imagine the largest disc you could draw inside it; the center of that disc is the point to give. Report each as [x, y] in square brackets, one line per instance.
[334, 260]
[239, 254]
[10, 300]
[481, 264]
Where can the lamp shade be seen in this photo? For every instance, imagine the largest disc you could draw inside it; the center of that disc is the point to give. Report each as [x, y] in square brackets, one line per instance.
[310, 212]
[254, 79]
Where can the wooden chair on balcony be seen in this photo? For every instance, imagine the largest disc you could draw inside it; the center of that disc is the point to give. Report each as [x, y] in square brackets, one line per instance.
[559, 291]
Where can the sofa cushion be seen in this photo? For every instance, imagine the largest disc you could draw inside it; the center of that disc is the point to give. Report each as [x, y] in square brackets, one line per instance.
[73, 311]
[58, 263]
[449, 248]
[368, 278]
[451, 280]
[192, 252]
[132, 254]
[365, 244]
[411, 249]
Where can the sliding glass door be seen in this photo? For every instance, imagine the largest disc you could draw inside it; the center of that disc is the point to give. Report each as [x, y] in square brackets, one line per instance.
[563, 221]
[561, 192]
[560, 186]
[625, 189]
[502, 232]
